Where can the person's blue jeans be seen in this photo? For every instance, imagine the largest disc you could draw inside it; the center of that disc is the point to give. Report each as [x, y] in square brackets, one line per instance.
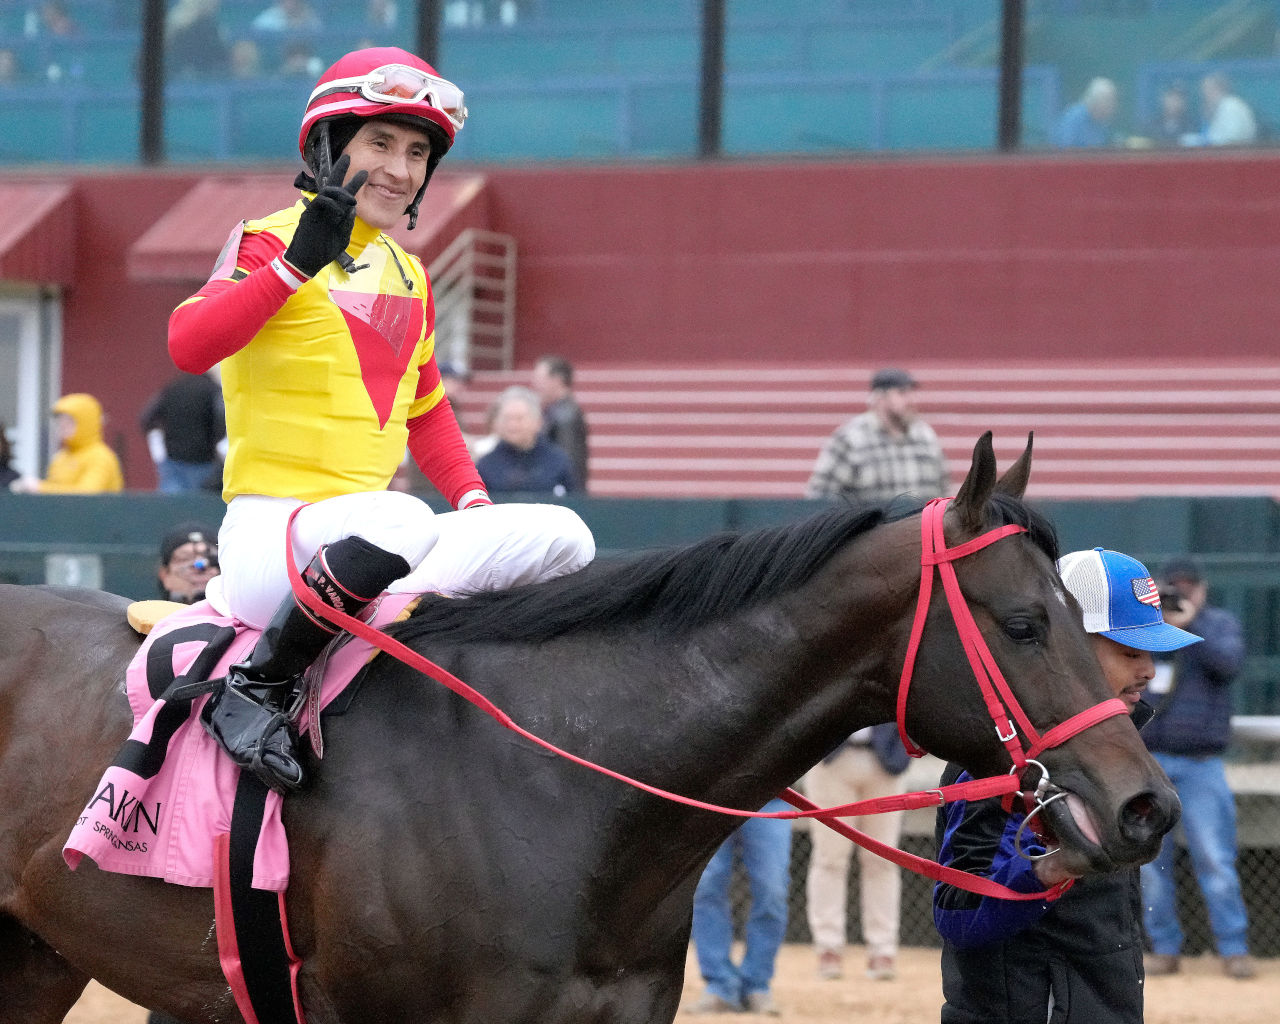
[1209, 822]
[764, 847]
[179, 477]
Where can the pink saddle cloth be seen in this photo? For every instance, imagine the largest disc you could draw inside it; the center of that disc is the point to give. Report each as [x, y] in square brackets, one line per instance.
[159, 808]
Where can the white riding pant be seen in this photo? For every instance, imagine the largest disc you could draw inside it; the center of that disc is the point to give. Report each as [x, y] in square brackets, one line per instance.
[455, 553]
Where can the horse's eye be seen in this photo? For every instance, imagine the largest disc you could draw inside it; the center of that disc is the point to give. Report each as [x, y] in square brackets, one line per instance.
[1021, 630]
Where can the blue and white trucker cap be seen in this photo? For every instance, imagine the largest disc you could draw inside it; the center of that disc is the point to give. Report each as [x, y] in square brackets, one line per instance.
[1120, 600]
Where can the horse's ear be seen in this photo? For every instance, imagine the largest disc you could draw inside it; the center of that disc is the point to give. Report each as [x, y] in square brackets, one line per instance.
[1014, 481]
[971, 500]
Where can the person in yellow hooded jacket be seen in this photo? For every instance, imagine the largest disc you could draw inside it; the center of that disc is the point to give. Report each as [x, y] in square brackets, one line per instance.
[83, 463]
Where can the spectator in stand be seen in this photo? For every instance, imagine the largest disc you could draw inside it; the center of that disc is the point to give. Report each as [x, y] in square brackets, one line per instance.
[185, 424]
[870, 763]
[1076, 959]
[1191, 692]
[564, 423]
[884, 452]
[1228, 120]
[763, 845]
[381, 15]
[457, 380]
[7, 473]
[246, 59]
[194, 41]
[9, 71]
[1091, 120]
[300, 58]
[83, 464]
[1174, 119]
[56, 21]
[524, 460]
[188, 561]
[288, 16]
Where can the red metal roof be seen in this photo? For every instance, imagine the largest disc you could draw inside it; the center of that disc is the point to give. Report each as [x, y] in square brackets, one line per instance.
[37, 241]
[183, 245]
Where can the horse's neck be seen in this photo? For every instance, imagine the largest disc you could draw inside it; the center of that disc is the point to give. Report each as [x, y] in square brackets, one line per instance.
[774, 691]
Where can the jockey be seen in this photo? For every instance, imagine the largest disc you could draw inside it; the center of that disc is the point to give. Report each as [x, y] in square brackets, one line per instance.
[323, 327]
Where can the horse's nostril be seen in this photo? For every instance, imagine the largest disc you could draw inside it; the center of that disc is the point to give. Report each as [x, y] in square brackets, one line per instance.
[1147, 817]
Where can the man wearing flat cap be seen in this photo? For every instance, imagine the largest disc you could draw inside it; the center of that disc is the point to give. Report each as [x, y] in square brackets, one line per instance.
[876, 456]
[883, 452]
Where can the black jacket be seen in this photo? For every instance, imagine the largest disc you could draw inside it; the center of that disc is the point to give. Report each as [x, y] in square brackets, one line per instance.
[189, 411]
[1075, 961]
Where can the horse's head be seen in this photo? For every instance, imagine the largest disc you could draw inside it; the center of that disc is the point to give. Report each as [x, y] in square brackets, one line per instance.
[1119, 803]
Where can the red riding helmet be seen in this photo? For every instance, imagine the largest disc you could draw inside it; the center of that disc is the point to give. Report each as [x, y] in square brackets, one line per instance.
[382, 81]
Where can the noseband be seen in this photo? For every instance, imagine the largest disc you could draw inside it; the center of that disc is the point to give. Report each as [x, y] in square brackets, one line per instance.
[1002, 705]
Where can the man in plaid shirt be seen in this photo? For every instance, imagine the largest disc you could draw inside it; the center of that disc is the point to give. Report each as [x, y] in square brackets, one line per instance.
[884, 452]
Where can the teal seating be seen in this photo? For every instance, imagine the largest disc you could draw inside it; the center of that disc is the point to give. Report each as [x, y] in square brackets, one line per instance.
[572, 121]
[768, 115]
[940, 113]
[29, 134]
[662, 117]
[866, 49]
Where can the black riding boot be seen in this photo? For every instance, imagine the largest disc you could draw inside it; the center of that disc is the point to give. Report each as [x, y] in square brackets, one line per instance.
[250, 713]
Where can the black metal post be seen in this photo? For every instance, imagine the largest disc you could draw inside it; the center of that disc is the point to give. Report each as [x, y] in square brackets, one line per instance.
[429, 13]
[711, 90]
[151, 82]
[1012, 26]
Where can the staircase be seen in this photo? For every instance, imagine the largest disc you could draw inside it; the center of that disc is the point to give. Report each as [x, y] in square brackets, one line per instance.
[1123, 430]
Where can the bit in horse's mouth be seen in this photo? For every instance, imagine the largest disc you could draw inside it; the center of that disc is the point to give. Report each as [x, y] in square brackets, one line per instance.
[1070, 819]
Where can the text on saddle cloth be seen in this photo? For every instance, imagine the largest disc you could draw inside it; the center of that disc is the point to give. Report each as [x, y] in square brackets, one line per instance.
[171, 790]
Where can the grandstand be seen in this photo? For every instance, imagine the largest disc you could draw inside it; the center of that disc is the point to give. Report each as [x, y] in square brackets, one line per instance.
[1112, 431]
[620, 80]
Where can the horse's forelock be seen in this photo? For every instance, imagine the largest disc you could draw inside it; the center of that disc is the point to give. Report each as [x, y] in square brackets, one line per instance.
[1008, 510]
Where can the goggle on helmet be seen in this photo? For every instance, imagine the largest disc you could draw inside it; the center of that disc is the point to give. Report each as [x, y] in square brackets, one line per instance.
[384, 81]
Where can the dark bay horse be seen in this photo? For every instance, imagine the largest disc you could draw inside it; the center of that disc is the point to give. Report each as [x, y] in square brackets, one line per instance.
[445, 869]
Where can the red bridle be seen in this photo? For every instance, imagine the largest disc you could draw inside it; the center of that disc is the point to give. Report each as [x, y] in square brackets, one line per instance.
[1002, 705]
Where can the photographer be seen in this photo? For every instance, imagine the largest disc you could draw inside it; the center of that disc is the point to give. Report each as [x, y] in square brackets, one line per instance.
[1191, 692]
[188, 561]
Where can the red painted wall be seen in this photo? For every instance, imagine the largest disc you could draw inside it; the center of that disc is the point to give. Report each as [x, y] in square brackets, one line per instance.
[990, 258]
[984, 259]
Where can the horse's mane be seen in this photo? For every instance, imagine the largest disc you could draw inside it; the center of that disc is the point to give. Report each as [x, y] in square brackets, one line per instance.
[678, 588]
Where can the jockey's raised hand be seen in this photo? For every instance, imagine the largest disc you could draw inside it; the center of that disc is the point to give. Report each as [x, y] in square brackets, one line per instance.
[324, 229]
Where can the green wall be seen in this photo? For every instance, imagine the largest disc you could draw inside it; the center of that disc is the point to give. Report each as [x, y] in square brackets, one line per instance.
[111, 541]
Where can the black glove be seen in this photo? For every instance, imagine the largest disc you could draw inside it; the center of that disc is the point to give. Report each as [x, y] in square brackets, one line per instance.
[324, 229]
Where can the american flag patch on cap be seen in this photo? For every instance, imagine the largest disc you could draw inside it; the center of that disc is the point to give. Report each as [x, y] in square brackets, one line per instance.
[1145, 591]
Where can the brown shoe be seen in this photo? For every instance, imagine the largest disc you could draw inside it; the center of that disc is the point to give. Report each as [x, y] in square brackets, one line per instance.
[1157, 964]
[881, 968]
[1239, 966]
[830, 965]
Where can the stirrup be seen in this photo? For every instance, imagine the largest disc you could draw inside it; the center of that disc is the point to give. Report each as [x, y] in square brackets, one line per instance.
[257, 736]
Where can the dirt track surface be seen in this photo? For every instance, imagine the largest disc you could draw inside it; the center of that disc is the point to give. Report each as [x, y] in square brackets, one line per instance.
[1199, 994]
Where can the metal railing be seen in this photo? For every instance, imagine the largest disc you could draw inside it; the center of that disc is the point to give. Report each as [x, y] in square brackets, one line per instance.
[474, 284]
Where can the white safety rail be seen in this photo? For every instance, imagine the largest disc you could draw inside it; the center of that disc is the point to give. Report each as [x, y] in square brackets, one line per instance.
[474, 284]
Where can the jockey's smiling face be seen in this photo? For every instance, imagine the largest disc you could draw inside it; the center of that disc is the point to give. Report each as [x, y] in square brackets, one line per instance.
[395, 155]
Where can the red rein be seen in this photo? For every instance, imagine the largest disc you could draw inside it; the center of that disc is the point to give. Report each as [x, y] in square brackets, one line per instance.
[934, 552]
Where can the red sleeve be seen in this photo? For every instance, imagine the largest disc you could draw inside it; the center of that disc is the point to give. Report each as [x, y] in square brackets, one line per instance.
[438, 448]
[223, 316]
